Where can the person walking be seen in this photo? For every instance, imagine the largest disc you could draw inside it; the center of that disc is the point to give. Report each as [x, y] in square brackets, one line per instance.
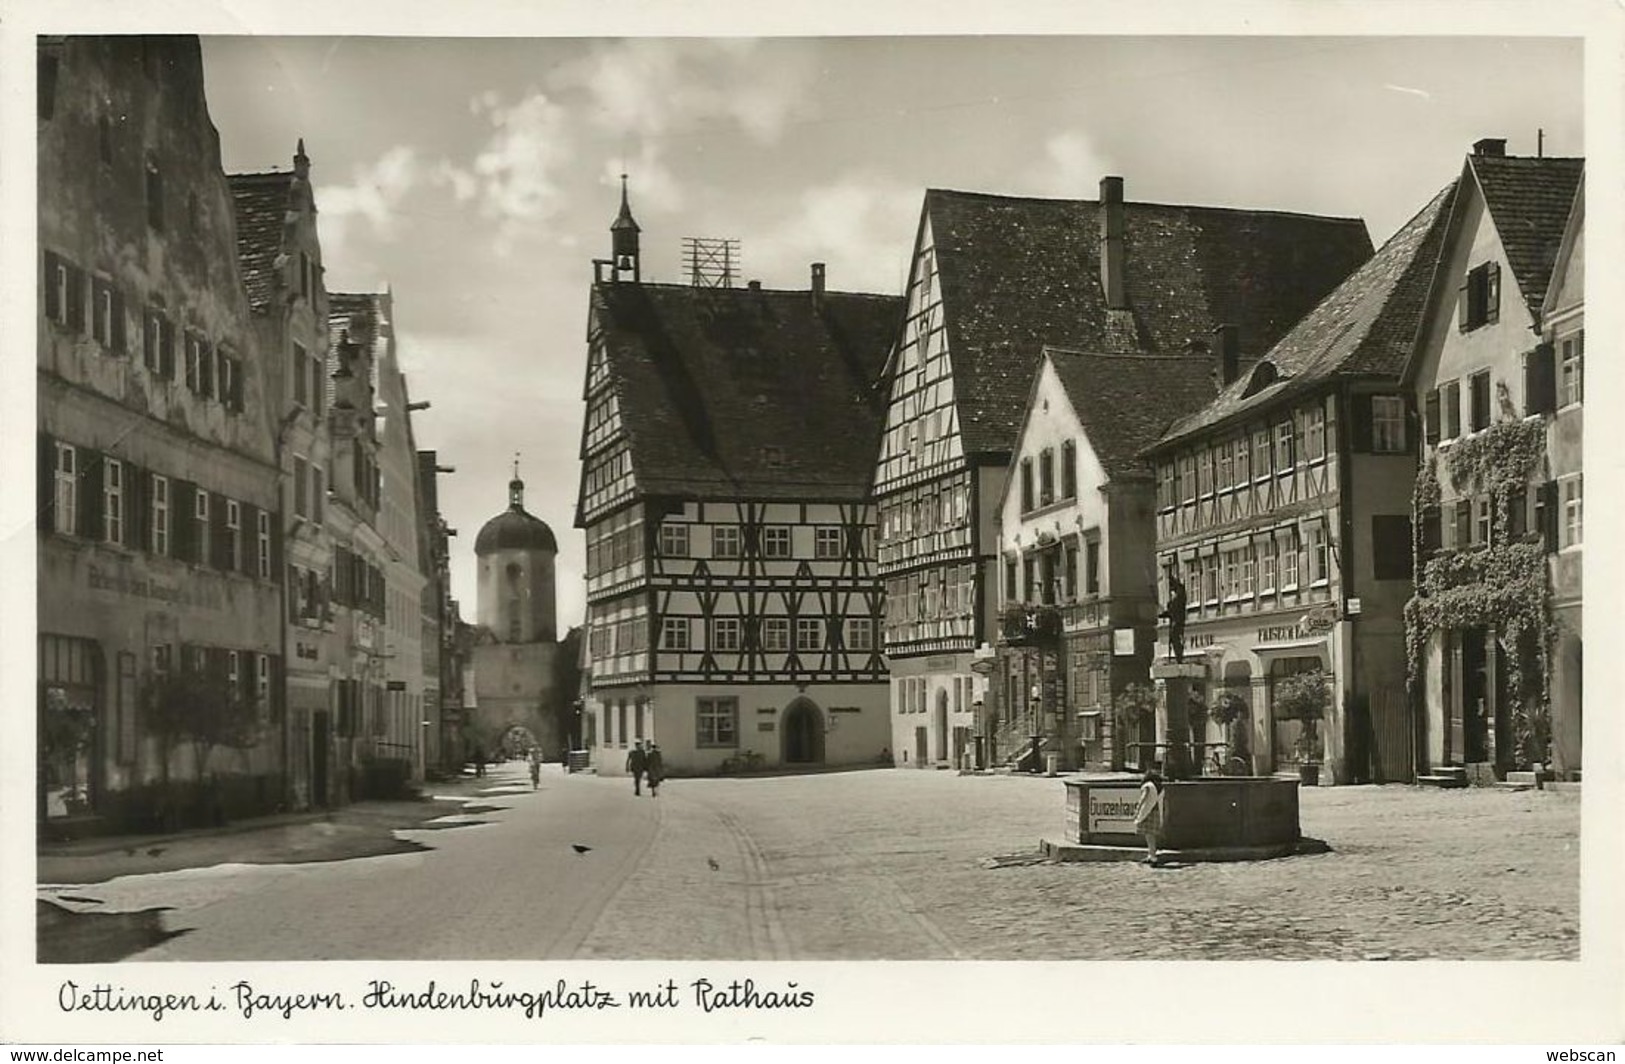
[1148, 816]
[636, 763]
[479, 760]
[654, 767]
[535, 767]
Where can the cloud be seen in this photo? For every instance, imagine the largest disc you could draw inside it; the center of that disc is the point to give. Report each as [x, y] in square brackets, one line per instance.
[861, 226]
[653, 186]
[646, 88]
[1074, 166]
[513, 178]
[373, 196]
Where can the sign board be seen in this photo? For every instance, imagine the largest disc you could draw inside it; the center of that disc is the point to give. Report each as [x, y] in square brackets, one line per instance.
[1111, 810]
[1123, 642]
[1322, 620]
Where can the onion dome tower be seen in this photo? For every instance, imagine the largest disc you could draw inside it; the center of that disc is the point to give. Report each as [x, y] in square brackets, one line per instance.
[515, 553]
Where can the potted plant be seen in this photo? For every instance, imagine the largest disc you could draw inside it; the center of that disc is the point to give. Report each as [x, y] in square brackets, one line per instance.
[1305, 697]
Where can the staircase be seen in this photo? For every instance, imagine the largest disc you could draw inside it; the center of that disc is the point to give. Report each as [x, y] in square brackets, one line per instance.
[1448, 776]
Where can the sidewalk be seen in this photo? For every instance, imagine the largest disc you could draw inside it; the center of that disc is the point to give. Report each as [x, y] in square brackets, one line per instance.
[363, 829]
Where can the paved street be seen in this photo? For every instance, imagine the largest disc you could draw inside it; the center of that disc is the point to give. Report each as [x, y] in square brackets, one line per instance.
[880, 864]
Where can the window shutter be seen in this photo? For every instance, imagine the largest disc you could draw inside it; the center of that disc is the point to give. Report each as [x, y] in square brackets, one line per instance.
[1549, 521]
[137, 521]
[237, 385]
[276, 541]
[182, 525]
[217, 532]
[1464, 305]
[120, 345]
[76, 299]
[1540, 380]
[1360, 424]
[166, 349]
[1518, 514]
[53, 299]
[45, 501]
[275, 693]
[90, 494]
[1431, 417]
[249, 534]
[1464, 524]
[1432, 532]
[1492, 292]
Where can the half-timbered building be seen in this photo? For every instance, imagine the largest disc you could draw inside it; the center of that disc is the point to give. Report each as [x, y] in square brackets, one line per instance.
[994, 279]
[1283, 506]
[733, 608]
[1498, 373]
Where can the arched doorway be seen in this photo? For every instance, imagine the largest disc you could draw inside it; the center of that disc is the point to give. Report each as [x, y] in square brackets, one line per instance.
[802, 733]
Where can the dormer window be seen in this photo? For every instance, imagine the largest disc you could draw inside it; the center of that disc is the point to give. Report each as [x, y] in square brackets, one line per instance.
[1262, 376]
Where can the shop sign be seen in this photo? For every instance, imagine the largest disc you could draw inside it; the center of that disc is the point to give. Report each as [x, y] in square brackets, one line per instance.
[1123, 642]
[140, 587]
[1111, 810]
[1322, 620]
[941, 661]
[1279, 634]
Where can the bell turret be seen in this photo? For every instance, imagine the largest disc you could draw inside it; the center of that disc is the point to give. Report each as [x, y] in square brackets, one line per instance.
[624, 240]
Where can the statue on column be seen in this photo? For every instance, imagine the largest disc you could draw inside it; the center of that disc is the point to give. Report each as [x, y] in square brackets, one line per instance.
[1175, 613]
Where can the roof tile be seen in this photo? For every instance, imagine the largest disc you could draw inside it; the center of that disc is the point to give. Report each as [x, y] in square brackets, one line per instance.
[1529, 200]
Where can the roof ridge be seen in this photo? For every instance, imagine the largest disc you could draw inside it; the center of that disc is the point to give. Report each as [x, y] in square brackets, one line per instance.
[1273, 212]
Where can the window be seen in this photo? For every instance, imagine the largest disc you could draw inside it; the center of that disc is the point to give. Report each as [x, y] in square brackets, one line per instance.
[776, 634]
[827, 542]
[725, 541]
[155, 196]
[1011, 592]
[200, 511]
[58, 289]
[234, 535]
[1266, 566]
[1248, 588]
[1091, 567]
[1261, 454]
[1210, 577]
[716, 721]
[1387, 424]
[1572, 503]
[1187, 479]
[301, 389]
[725, 633]
[1449, 410]
[160, 515]
[107, 316]
[67, 488]
[809, 633]
[674, 633]
[318, 386]
[1571, 388]
[231, 381]
[1241, 463]
[1069, 470]
[1481, 526]
[234, 676]
[1046, 476]
[860, 633]
[673, 540]
[1479, 383]
[1026, 484]
[1314, 434]
[776, 541]
[1224, 477]
[1166, 500]
[1029, 579]
[262, 684]
[1069, 572]
[113, 501]
[1319, 560]
[196, 350]
[1430, 418]
[1204, 473]
[158, 345]
[301, 502]
[263, 545]
[1391, 547]
[1283, 447]
[1479, 297]
[1461, 527]
[1289, 560]
[1232, 574]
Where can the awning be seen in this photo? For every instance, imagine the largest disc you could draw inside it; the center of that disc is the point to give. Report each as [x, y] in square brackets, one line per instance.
[1291, 646]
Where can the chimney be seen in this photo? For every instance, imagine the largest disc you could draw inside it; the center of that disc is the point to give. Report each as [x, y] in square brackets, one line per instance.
[1493, 147]
[754, 286]
[1111, 242]
[818, 285]
[1227, 340]
[301, 162]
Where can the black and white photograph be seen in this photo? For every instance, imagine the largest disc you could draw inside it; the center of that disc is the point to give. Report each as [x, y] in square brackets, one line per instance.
[533, 507]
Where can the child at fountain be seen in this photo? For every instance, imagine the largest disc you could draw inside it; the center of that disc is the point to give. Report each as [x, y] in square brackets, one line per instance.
[1148, 817]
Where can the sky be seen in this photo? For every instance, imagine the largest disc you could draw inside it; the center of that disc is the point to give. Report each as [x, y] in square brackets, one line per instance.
[478, 178]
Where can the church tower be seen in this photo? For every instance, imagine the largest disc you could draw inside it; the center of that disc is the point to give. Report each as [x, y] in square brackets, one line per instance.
[515, 554]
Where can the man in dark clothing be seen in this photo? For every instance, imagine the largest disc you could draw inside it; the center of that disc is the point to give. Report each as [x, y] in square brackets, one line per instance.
[636, 762]
[654, 766]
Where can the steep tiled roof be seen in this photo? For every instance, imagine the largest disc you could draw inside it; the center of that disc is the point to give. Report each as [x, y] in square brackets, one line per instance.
[1126, 401]
[356, 312]
[730, 392]
[1366, 327]
[1017, 274]
[261, 203]
[1529, 200]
